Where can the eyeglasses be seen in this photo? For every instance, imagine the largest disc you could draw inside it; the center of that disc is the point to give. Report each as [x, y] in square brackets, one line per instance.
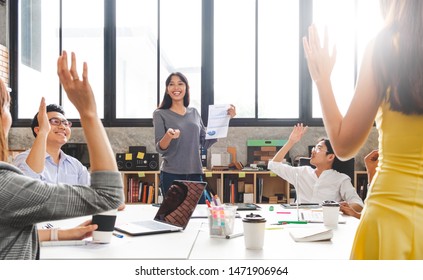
[58, 122]
[318, 148]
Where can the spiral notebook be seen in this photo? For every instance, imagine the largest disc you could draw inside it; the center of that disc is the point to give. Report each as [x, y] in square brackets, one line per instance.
[311, 234]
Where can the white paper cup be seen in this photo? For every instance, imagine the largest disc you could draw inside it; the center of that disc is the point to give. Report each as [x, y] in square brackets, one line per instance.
[254, 226]
[330, 214]
[106, 225]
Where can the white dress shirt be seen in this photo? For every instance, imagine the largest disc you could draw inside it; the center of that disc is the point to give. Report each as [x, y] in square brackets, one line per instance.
[331, 185]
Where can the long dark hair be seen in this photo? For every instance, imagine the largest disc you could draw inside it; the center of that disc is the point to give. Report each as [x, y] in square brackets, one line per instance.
[398, 56]
[167, 101]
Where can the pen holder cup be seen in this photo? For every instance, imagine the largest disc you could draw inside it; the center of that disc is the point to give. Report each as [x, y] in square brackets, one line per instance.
[221, 220]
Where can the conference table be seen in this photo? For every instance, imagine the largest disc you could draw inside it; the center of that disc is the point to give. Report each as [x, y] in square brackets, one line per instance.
[195, 243]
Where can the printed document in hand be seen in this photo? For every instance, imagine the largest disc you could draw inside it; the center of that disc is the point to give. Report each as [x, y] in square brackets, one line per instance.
[218, 122]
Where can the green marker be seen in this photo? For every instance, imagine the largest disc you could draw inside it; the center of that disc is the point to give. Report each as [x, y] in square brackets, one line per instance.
[291, 222]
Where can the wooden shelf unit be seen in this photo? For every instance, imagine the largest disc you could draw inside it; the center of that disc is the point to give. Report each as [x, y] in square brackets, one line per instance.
[273, 185]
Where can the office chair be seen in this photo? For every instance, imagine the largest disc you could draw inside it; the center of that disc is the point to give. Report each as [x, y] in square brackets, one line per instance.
[304, 161]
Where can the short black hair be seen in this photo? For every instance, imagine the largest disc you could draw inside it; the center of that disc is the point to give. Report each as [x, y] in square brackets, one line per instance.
[328, 145]
[338, 165]
[50, 108]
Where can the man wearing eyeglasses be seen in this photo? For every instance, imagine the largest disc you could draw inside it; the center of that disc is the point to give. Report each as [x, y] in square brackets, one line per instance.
[45, 160]
[322, 182]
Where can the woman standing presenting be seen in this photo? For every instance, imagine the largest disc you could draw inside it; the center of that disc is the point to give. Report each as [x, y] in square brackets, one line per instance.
[179, 134]
[390, 90]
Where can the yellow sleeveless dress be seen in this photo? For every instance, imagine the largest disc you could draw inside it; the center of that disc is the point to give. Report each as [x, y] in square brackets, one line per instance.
[391, 225]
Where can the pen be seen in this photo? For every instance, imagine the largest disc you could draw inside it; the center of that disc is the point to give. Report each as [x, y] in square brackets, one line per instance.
[208, 203]
[291, 222]
[230, 236]
[233, 235]
[218, 200]
[118, 235]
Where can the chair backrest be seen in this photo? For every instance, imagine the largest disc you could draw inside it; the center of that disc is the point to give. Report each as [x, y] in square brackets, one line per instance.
[346, 167]
[303, 161]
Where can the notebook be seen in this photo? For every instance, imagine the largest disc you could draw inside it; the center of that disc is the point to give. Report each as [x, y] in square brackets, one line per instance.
[310, 234]
[317, 217]
[245, 206]
[173, 214]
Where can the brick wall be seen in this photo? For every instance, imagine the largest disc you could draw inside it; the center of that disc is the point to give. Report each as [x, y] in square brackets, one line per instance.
[4, 64]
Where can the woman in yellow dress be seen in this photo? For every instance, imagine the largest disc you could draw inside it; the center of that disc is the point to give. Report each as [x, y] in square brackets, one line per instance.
[389, 90]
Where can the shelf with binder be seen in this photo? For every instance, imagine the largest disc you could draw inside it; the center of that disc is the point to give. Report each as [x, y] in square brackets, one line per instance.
[230, 186]
[271, 188]
[248, 187]
[140, 186]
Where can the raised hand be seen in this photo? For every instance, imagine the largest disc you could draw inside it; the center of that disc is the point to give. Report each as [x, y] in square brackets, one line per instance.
[78, 91]
[298, 132]
[173, 133]
[43, 123]
[320, 62]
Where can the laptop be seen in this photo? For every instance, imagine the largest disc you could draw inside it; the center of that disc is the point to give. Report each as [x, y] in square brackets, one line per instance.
[173, 214]
[301, 205]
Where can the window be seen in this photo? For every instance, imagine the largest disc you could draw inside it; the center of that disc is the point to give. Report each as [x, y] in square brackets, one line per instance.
[38, 50]
[264, 40]
[83, 33]
[350, 31]
[245, 52]
[136, 58]
[234, 45]
[278, 59]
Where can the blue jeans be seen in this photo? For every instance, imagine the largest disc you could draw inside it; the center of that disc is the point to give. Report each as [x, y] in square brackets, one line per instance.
[166, 180]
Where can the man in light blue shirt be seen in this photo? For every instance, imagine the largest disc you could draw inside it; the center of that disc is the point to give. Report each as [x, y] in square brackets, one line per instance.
[45, 160]
[69, 170]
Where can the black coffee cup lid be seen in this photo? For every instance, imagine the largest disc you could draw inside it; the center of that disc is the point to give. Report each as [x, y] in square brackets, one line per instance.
[254, 218]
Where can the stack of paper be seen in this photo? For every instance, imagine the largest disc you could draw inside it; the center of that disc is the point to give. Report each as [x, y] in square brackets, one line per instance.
[310, 234]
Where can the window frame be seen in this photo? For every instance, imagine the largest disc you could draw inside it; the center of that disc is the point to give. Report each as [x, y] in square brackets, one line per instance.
[207, 90]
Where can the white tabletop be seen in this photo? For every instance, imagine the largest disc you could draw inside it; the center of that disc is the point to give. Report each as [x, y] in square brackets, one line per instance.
[159, 246]
[278, 244]
[195, 242]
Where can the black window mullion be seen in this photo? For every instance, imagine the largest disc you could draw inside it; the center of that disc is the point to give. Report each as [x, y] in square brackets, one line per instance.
[207, 58]
[306, 106]
[109, 62]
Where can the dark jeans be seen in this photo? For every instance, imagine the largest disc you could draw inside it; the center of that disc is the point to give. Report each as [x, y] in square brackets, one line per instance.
[166, 180]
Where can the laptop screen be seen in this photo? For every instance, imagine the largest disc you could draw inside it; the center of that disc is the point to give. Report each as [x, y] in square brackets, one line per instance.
[180, 202]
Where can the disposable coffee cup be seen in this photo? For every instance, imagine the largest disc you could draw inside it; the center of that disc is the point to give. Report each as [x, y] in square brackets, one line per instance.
[222, 220]
[330, 213]
[254, 226]
[106, 224]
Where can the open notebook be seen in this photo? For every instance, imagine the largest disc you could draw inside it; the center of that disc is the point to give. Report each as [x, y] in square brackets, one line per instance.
[174, 213]
[317, 217]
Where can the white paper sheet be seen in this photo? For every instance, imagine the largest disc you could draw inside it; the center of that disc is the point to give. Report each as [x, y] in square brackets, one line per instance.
[218, 122]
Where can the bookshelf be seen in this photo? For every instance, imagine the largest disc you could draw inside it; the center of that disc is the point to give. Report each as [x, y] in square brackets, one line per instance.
[273, 188]
[139, 186]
